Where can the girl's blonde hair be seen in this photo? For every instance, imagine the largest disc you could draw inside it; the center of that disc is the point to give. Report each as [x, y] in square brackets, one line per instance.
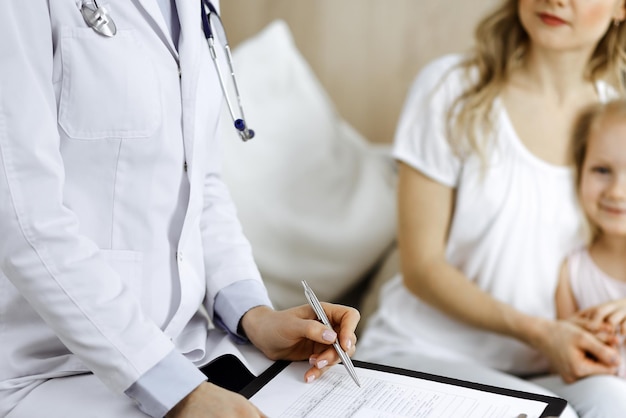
[587, 123]
[501, 47]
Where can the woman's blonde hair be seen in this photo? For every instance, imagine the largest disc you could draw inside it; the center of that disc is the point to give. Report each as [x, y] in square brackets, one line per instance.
[501, 47]
[586, 125]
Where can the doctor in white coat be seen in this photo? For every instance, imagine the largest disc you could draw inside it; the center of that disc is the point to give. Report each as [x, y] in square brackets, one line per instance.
[119, 243]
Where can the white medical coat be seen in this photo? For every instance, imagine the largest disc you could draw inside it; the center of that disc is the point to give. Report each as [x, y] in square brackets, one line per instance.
[86, 219]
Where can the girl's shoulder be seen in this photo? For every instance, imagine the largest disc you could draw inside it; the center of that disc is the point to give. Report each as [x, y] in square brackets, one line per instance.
[576, 253]
[576, 259]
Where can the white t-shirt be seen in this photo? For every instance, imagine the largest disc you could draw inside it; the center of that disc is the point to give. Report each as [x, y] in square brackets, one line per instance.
[513, 224]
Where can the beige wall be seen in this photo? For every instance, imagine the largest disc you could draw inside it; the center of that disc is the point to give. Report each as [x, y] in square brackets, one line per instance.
[365, 52]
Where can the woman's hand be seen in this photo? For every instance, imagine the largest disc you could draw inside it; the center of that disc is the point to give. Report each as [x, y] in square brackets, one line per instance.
[211, 401]
[296, 334]
[574, 352]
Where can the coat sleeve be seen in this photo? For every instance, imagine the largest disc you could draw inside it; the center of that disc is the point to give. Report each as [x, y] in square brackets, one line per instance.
[228, 256]
[227, 253]
[57, 270]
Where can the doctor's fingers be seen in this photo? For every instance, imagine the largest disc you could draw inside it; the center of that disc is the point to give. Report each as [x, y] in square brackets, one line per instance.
[344, 319]
[327, 355]
[316, 370]
[321, 334]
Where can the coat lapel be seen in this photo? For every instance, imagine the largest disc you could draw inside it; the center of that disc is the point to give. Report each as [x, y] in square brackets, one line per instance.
[152, 9]
[189, 48]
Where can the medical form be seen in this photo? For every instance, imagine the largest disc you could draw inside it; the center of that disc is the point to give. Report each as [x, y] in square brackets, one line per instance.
[384, 394]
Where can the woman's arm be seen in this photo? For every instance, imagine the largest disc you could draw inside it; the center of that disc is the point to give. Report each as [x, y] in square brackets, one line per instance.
[425, 211]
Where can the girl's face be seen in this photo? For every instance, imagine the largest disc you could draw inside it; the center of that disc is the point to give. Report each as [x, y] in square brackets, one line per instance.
[603, 177]
[563, 25]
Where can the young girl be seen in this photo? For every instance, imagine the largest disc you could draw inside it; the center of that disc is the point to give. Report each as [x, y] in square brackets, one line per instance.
[488, 209]
[592, 283]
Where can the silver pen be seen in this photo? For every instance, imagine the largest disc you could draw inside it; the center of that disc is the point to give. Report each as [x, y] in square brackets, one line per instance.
[321, 315]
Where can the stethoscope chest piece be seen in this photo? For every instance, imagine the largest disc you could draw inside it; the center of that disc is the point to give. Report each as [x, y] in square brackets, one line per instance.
[98, 19]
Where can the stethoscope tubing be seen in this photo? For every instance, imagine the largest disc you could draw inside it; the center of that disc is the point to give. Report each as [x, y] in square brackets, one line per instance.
[239, 123]
[99, 20]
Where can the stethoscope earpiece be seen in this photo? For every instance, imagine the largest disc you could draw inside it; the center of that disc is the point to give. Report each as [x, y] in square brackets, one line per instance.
[244, 132]
[98, 19]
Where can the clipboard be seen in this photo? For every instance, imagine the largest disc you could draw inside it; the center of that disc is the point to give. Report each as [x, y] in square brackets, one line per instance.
[553, 406]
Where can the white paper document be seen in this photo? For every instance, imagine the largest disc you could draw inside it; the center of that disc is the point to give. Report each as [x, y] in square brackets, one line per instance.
[382, 395]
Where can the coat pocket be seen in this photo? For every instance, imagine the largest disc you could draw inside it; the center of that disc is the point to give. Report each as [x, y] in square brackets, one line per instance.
[109, 86]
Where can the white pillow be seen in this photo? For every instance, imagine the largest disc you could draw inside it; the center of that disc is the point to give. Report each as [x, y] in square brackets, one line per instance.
[316, 200]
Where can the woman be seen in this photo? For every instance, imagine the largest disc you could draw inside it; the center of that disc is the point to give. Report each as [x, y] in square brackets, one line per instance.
[487, 208]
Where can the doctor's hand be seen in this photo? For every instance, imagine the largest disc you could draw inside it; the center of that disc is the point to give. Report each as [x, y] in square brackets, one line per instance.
[211, 401]
[296, 334]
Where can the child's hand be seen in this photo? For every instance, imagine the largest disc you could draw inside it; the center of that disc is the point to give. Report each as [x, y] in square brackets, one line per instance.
[603, 331]
[611, 314]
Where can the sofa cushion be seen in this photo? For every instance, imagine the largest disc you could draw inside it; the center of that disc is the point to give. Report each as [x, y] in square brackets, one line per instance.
[316, 200]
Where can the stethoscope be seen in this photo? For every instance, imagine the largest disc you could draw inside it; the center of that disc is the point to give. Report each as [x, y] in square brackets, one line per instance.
[98, 18]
